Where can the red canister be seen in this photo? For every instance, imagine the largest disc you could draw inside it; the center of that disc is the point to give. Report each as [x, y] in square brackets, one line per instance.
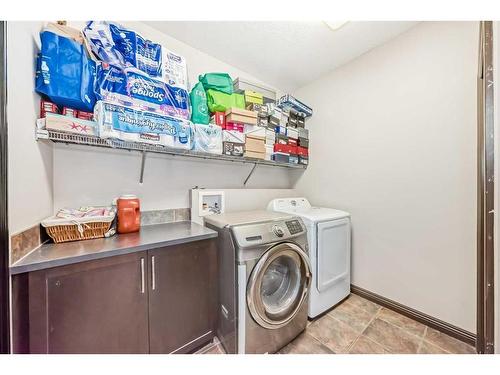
[129, 214]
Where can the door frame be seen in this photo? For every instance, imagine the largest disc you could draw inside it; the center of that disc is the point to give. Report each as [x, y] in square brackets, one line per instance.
[485, 193]
[4, 227]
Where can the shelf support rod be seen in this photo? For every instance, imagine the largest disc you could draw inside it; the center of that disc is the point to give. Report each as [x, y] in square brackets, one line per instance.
[250, 174]
[143, 164]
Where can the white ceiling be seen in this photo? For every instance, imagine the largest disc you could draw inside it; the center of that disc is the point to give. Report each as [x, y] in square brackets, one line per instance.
[287, 55]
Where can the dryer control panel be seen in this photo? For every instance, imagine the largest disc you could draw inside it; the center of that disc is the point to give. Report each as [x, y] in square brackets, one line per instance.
[294, 226]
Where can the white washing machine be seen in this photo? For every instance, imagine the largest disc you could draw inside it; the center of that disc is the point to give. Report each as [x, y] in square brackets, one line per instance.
[329, 238]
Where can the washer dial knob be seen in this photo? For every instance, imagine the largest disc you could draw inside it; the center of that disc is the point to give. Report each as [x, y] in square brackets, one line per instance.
[277, 230]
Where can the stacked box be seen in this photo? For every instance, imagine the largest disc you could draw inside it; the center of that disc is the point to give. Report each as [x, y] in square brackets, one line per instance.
[241, 116]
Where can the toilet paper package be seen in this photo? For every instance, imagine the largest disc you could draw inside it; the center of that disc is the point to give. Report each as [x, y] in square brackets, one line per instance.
[132, 88]
[116, 45]
[128, 124]
[208, 138]
[124, 48]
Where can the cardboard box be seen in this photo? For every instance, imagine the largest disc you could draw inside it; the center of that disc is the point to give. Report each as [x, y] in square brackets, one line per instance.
[303, 133]
[303, 142]
[68, 124]
[233, 136]
[302, 151]
[303, 160]
[281, 130]
[233, 149]
[282, 139]
[281, 158]
[253, 97]
[255, 155]
[256, 107]
[273, 121]
[241, 115]
[289, 102]
[255, 145]
[235, 126]
[292, 133]
[301, 120]
[262, 122]
[256, 131]
[283, 120]
[285, 149]
[241, 84]
[220, 119]
[47, 107]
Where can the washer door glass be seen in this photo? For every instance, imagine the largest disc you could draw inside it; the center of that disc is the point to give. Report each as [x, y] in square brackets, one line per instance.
[278, 285]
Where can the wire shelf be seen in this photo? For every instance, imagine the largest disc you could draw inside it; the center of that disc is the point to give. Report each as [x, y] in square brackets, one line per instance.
[89, 140]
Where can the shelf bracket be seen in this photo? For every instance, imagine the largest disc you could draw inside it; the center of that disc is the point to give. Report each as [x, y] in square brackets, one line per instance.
[250, 174]
[143, 164]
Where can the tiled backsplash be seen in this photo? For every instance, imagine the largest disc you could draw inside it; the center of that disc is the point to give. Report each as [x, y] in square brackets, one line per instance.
[165, 216]
[22, 243]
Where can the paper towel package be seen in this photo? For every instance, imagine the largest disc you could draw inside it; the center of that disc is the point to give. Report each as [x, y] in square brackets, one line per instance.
[132, 88]
[208, 138]
[127, 124]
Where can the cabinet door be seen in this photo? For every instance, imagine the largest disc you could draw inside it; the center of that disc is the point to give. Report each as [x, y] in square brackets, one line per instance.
[98, 306]
[183, 296]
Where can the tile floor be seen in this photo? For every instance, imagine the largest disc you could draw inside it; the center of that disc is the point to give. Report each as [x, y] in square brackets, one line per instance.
[358, 326]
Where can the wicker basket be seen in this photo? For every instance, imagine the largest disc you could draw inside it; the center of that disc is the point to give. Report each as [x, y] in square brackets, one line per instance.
[63, 230]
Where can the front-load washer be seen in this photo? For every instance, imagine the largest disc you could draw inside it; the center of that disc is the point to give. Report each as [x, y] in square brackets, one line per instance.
[329, 237]
[264, 280]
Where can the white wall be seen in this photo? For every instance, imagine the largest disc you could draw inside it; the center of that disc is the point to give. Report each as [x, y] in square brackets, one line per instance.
[393, 141]
[93, 176]
[30, 176]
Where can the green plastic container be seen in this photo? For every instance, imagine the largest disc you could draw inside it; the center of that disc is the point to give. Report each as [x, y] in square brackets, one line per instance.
[219, 102]
[199, 107]
[217, 81]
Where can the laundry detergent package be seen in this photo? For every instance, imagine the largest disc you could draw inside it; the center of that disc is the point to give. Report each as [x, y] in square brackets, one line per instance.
[288, 102]
[199, 112]
[128, 124]
[208, 138]
[123, 48]
[133, 88]
[65, 73]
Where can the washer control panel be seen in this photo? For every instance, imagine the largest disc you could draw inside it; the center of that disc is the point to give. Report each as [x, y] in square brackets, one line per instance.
[293, 226]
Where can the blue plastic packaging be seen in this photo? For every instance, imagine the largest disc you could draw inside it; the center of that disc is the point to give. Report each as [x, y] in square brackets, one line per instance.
[65, 73]
[131, 87]
[123, 48]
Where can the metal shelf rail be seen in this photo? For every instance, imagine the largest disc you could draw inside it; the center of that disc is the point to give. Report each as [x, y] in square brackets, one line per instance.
[89, 140]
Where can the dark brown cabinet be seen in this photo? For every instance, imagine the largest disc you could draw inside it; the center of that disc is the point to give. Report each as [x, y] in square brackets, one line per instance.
[92, 307]
[156, 301]
[182, 297]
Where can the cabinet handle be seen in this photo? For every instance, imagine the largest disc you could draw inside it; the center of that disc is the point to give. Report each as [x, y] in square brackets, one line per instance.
[153, 276]
[142, 276]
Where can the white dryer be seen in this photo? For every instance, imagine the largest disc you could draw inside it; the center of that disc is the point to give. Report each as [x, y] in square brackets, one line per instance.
[329, 238]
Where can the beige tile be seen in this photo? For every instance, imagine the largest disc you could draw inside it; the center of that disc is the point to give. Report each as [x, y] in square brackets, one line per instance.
[402, 321]
[363, 345]
[363, 304]
[393, 338]
[355, 317]
[448, 343]
[305, 344]
[428, 348]
[335, 334]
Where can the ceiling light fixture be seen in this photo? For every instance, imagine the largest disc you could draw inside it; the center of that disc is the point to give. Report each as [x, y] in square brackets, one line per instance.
[335, 25]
